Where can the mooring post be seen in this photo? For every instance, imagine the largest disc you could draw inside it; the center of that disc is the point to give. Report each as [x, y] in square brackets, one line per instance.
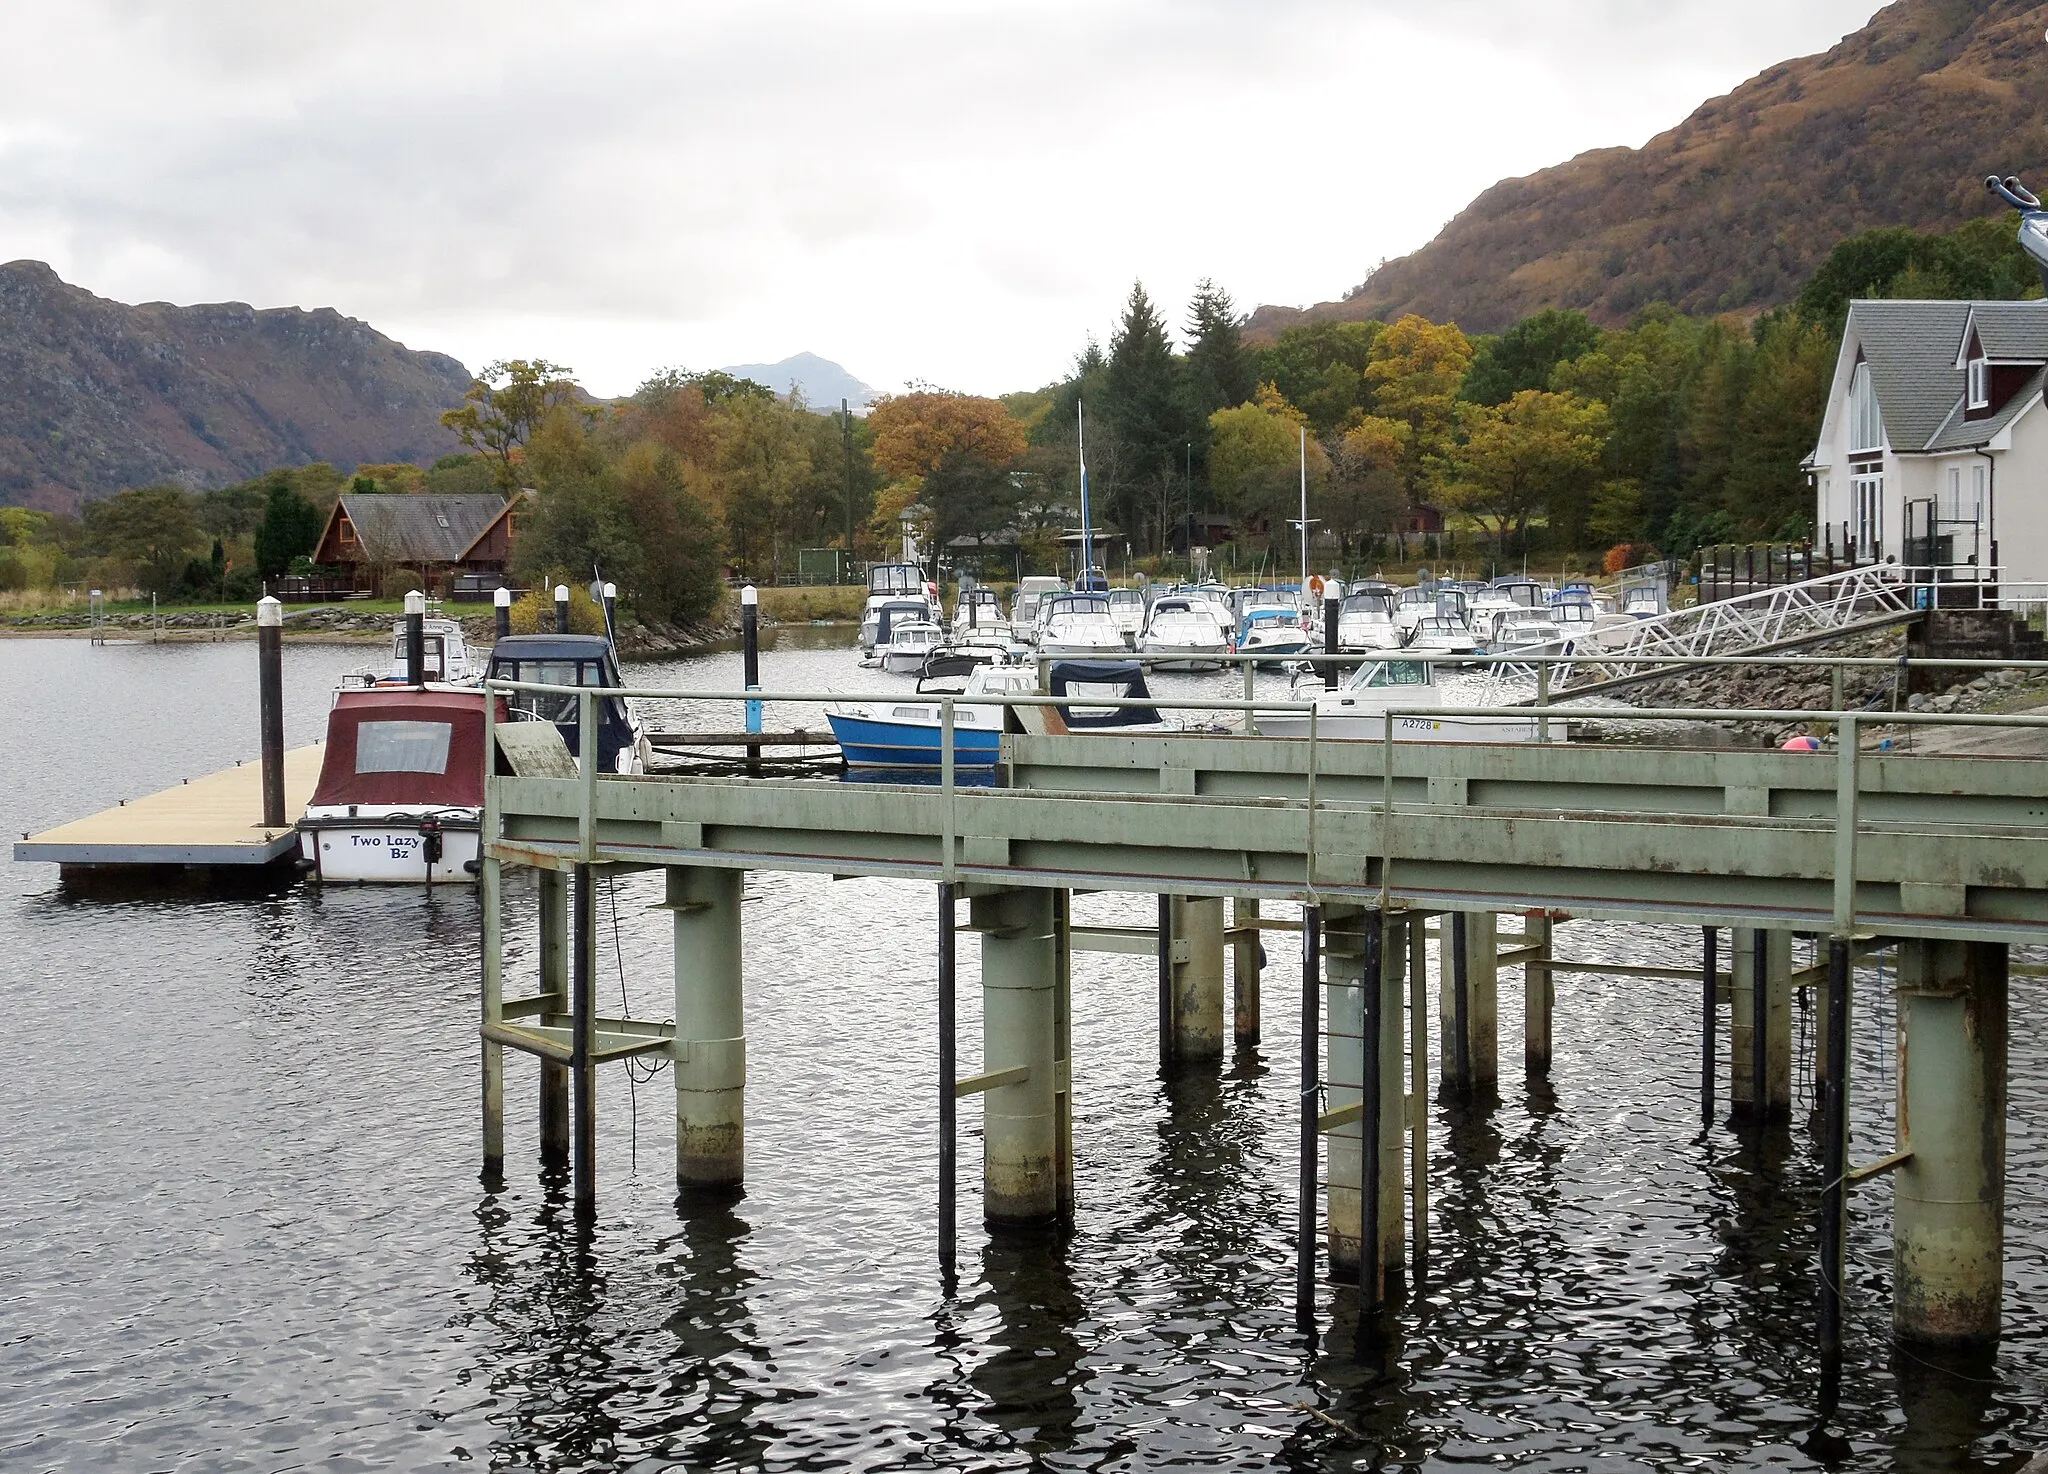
[1196, 1003]
[1710, 982]
[1310, 1113]
[1834, 1157]
[1348, 934]
[750, 668]
[416, 638]
[270, 706]
[1393, 1112]
[1468, 1004]
[1331, 607]
[1019, 971]
[501, 606]
[561, 609]
[1246, 949]
[554, 986]
[1948, 1197]
[710, 1048]
[949, 1106]
[1539, 994]
[582, 1025]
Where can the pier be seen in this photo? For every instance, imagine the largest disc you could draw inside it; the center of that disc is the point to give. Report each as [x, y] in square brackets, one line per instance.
[1492, 851]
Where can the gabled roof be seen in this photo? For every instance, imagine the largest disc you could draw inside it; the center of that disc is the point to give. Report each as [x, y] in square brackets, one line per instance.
[1911, 350]
[395, 528]
[2010, 330]
[1958, 433]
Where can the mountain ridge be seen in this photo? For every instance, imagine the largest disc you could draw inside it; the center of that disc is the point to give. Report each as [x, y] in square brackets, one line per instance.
[1732, 209]
[103, 395]
[823, 382]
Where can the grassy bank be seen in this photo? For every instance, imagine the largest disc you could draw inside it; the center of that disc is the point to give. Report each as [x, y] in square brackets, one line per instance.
[840, 603]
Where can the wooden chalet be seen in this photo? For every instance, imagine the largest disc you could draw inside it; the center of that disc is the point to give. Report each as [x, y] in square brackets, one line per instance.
[448, 541]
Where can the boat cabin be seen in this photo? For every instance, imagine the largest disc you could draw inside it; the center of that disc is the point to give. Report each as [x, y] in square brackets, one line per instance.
[403, 747]
[572, 662]
[895, 578]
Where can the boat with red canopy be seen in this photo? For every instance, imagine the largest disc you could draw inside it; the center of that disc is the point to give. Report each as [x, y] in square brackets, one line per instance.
[401, 790]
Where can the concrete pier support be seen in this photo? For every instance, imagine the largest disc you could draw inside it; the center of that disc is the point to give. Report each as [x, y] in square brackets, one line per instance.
[1343, 1074]
[710, 1050]
[1063, 1050]
[1245, 952]
[1197, 1004]
[1019, 978]
[1948, 1198]
[1468, 1037]
[1539, 995]
[1764, 1054]
[1393, 1113]
[553, 887]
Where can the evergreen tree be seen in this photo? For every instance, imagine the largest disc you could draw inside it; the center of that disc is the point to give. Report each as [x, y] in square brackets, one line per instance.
[1144, 408]
[1219, 371]
[290, 529]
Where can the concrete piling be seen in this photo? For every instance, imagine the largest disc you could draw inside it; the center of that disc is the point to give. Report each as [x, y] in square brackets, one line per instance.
[1468, 1004]
[1063, 1049]
[710, 1049]
[554, 986]
[1245, 951]
[1347, 934]
[1019, 977]
[1197, 985]
[1760, 1051]
[1539, 994]
[1948, 1197]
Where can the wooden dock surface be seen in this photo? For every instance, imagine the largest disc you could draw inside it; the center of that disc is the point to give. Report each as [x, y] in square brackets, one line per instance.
[204, 821]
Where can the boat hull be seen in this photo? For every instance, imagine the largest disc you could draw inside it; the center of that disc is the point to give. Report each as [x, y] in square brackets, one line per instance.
[389, 851]
[876, 742]
[1372, 727]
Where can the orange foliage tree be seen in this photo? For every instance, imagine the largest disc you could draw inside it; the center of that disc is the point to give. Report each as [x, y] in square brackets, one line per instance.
[959, 448]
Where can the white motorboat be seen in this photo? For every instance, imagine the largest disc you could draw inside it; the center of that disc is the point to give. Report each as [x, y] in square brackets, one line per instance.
[1080, 626]
[1127, 611]
[1032, 592]
[446, 656]
[1576, 619]
[1643, 601]
[1525, 631]
[1273, 630]
[1502, 595]
[979, 615]
[1359, 710]
[1412, 606]
[1436, 634]
[1365, 621]
[401, 788]
[909, 643]
[1183, 631]
[894, 584]
[879, 624]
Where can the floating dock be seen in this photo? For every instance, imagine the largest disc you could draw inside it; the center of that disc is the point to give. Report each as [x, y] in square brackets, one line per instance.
[211, 822]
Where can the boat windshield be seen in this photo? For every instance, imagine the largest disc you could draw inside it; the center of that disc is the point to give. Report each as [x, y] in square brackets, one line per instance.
[1083, 604]
[433, 657]
[543, 707]
[896, 578]
[1125, 599]
[403, 747]
[1391, 673]
[1366, 604]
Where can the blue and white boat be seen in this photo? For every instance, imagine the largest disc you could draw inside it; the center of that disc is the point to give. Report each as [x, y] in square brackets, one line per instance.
[907, 733]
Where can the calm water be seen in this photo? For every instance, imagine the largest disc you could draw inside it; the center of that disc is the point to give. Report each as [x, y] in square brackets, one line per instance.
[242, 1227]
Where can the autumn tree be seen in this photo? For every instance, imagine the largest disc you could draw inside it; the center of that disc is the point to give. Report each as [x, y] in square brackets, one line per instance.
[1255, 461]
[1414, 370]
[1536, 455]
[506, 403]
[1365, 478]
[959, 449]
[1322, 368]
[151, 528]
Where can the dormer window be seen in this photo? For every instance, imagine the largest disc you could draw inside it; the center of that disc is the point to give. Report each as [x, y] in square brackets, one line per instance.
[1980, 383]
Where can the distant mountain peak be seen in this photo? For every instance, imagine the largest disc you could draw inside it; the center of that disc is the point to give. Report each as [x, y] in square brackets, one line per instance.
[822, 382]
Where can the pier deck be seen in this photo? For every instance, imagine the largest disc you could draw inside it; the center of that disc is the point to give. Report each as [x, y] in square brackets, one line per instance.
[215, 820]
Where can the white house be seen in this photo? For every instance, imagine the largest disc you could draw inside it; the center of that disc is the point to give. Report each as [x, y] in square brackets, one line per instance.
[1935, 445]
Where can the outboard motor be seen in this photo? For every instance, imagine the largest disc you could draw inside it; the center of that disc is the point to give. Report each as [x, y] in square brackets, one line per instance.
[2033, 220]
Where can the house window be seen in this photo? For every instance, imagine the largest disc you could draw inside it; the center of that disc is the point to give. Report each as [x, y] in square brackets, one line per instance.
[1980, 384]
[1866, 425]
[1866, 512]
[347, 531]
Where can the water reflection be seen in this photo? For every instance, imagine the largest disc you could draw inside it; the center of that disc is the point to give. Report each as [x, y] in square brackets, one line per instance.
[1029, 1380]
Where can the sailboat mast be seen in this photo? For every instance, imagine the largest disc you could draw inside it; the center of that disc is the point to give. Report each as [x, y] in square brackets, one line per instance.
[1304, 511]
[1087, 528]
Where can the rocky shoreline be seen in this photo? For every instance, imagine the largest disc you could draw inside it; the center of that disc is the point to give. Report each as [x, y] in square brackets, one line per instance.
[339, 624]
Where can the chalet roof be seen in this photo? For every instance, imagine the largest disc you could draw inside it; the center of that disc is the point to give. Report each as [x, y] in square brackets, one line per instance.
[2011, 330]
[395, 528]
[1911, 350]
[1958, 433]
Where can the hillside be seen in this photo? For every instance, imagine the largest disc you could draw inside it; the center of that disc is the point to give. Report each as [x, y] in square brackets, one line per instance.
[823, 382]
[1732, 209]
[99, 395]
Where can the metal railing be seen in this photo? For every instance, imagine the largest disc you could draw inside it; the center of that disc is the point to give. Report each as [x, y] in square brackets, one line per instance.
[1847, 725]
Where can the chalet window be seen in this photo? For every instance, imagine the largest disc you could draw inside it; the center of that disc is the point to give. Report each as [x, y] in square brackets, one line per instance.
[1866, 425]
[1866, 511]
[1980, 384]
[347, 531]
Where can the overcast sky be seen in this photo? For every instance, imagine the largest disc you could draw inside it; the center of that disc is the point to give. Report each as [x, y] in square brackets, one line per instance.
[942, 190]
